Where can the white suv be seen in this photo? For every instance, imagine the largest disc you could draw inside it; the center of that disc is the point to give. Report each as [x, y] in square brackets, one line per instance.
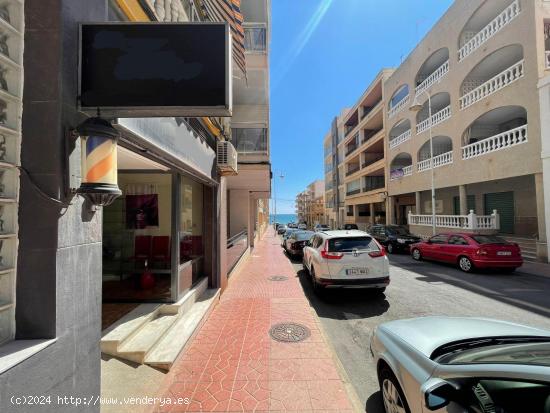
[351, 259]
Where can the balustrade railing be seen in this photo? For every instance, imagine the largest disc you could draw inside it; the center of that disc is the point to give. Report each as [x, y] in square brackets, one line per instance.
[471, 221]
[398, 107]
[405, 136]
[401, 172]
[433, 78]
[494, 143]
[505, 17]
[492, 85]
[437, 118]
[439, 160]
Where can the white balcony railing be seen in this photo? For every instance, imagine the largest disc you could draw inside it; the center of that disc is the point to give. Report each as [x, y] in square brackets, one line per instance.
[405, 136]
[496, 25]
[471, 221]
[495, 143]
[439, 160]
[433, 78]
[399, 106]
[401, 172]
[547, 54]
[493, 85]
[437, 118]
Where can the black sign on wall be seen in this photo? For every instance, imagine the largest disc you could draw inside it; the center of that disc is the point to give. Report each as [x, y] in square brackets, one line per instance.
[155, 69]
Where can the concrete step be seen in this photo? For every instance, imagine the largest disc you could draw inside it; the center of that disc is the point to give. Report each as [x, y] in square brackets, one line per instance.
[136, 348]
[172, 343]
[125, 328]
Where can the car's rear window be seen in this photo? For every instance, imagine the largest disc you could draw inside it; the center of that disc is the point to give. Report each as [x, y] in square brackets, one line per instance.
[351, 243]
[302, 236]
[489, 239]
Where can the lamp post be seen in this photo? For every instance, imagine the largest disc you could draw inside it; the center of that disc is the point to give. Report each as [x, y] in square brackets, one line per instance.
[417, 107]
[281, 175]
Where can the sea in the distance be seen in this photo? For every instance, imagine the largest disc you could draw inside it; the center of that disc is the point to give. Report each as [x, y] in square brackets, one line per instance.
[283, 218]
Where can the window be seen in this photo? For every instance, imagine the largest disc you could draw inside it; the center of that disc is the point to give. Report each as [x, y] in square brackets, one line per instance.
[255, 39]
[350, 244]
[438, 239]
[250, 140]
[457, 240]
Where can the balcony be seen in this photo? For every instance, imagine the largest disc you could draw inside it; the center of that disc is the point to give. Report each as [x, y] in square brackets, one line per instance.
[400, 172]
[470, 222]
[404, 137]
[482, 89]
[495, 143]
[352, 145]
[373, 183]
[401, 166]
[250, 141]
[371, 158]
[352, 169]
[369, 109]
[437, 118]
[399, 106]
[439, 160]
[255, 38]
[433, 78]
[488, 31]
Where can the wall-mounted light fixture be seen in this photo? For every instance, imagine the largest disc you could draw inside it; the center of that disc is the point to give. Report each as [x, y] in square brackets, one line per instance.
[99, 161]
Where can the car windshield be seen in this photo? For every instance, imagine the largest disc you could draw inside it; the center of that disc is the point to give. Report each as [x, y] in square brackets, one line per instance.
[489, 239]
[302, 236]
[349, 244]
[527, 350]
[398, 231]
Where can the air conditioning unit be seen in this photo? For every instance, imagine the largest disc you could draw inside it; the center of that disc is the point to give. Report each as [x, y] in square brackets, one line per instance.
[226, 158]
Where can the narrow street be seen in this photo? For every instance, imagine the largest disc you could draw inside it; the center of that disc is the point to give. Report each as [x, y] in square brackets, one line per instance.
[420, 289]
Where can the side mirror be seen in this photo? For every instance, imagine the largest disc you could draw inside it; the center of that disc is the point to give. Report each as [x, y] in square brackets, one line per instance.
[438, 394]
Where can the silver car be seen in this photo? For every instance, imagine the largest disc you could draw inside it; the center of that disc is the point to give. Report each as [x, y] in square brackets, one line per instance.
[350, 259]
[459, 364]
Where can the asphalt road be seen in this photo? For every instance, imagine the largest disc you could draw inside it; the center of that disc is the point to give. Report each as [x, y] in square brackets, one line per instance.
[420, 289]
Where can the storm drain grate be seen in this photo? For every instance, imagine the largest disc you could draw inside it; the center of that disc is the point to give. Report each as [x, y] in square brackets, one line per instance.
[278, 278]
[289, 332]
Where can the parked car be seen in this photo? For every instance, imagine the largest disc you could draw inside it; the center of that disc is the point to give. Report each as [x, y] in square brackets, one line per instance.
[461, 364]
[302, 226]
[281, 229]
[288, 232]
[321, 227]
[393, 237]
[470, 251]
[350, 226]
[295, 243]
[292, 225]
[346, 259]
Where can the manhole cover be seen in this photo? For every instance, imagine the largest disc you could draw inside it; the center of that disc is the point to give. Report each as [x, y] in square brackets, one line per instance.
[278, 278]
[289, 332]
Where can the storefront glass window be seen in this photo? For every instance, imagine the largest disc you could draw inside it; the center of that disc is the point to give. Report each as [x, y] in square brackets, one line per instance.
[191, 233]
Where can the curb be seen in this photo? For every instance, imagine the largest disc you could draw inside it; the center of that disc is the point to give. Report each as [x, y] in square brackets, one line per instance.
[350, 390]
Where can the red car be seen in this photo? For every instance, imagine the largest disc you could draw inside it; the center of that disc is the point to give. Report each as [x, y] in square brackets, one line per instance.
[470, 251]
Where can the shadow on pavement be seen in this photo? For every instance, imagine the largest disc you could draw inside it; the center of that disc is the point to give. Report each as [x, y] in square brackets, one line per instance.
[528, 292]
[344, 304]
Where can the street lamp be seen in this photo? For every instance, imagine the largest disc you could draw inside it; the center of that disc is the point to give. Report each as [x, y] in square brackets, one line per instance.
[417, 107]
[281, 175]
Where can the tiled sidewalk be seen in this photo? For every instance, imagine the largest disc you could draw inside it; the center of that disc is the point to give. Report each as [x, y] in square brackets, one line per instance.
[232, 365]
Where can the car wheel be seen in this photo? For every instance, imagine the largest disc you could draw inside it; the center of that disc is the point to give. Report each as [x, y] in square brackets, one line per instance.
[390, 248]
[392, 395]
[416, 254]
[465, 264]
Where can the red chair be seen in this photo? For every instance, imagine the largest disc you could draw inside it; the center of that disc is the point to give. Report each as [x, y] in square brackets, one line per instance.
[160, 250]
[142, 249]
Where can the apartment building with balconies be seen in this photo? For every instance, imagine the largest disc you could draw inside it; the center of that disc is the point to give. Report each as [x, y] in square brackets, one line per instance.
[250, 126]
[479, 67]
[364, 151]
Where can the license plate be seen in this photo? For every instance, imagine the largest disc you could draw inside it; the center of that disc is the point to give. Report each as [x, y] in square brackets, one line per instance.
[504, 252]
[356, 271]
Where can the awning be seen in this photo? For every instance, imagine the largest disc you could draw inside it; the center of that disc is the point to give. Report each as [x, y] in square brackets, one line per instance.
[229, 11]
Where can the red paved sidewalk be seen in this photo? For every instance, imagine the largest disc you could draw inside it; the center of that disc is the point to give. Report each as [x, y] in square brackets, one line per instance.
[232, 364]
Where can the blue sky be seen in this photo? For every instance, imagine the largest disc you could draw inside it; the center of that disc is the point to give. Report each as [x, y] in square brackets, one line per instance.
[324, 53]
